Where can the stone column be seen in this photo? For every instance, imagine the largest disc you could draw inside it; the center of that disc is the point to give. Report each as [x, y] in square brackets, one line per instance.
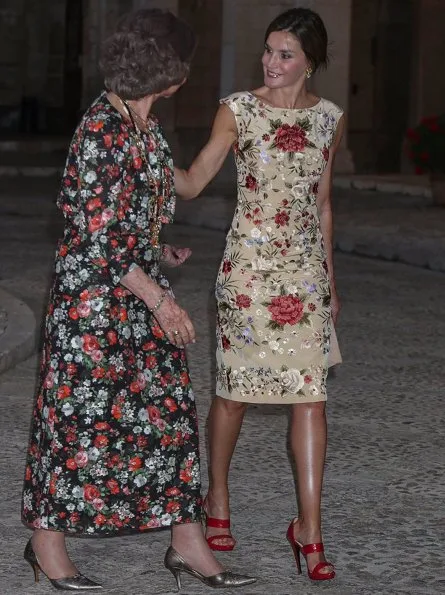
[13, 52]
[37, 26]
[428, 80]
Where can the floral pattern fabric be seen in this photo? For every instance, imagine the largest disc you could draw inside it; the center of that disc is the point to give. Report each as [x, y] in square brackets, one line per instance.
[114, 440]
[272, 291]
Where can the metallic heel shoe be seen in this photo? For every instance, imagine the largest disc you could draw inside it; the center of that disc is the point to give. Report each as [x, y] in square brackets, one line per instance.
[224, 580]
[78, 582]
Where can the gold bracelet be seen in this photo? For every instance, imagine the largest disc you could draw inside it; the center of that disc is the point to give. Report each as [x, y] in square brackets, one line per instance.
[159, 302]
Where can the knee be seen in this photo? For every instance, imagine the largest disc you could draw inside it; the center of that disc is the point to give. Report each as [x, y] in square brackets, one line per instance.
[229, 407]
[317, 409]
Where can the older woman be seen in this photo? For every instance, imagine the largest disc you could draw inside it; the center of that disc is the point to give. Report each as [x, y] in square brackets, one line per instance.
[114, 442]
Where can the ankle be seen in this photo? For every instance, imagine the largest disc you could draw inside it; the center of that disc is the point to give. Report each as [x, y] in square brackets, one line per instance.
[309, 532]
[218, 494]
[218, 500]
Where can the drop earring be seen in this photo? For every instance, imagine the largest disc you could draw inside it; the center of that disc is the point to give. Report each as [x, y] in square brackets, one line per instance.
[308, 72]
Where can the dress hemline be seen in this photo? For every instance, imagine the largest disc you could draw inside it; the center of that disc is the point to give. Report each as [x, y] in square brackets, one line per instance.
[268, 400]
[117, 533]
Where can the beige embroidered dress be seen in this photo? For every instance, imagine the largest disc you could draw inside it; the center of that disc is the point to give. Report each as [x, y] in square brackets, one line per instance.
[272, 291]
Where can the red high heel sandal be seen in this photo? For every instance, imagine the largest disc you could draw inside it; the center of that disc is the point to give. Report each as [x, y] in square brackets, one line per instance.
[315, 574]
[218, 524]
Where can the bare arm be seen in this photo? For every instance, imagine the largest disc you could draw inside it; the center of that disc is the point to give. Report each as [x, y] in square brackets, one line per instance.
[324, 206]
[189, 183]
[173, 320]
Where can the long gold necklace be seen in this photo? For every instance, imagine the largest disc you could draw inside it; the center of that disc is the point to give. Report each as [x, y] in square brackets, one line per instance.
[158, 199]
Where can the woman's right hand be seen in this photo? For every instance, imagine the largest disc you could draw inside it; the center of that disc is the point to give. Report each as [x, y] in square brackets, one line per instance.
[175, 323]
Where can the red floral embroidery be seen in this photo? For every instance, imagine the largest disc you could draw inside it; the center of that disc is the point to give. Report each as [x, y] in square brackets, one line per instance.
[282, 219]
[243, 301]
[286, 309]
[225, 343]
[251, 183]
[291, 138]
[227, 267]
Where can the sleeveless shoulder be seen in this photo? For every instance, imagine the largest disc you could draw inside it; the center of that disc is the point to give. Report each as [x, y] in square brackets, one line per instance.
[331, 109]
[238, 102]
[329, 115]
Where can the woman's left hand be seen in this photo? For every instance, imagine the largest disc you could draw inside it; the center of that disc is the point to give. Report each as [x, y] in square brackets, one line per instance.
[335, 305]
[173, 256]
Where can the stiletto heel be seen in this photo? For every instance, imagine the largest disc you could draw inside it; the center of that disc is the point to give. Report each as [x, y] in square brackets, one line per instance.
[78, 582]
[35, 568]
[218, 524]
[315, 574]
[294, 545]
[224, 580]
[177, 574]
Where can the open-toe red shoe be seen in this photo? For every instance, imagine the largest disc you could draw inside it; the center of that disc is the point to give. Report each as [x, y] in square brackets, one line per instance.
[316, 573]
[213, 539]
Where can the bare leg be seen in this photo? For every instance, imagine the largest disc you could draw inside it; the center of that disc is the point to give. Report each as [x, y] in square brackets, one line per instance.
[224, 425]
[188, 539]
[50, 549]
[308, 439]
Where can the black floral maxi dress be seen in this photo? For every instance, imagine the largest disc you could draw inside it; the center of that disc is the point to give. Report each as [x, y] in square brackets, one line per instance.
[114, 440]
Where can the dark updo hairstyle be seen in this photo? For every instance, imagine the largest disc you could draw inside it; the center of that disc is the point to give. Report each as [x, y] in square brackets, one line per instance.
[307, 26]
[149, 51]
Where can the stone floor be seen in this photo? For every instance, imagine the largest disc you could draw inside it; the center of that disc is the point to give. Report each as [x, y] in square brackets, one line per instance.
[385, 482]
[3, 320]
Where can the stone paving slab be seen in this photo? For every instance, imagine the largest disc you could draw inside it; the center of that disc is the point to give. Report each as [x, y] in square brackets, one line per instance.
[17, 331]
[385, 486]
[385, 480]
[403, 184]
[34, 144]
[3, 320]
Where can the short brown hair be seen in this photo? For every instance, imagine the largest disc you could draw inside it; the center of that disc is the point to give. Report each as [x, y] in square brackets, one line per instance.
[149, 51]
[308, 27]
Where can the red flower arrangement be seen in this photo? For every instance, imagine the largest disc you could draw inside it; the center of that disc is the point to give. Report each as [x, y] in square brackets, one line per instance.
[426, 145]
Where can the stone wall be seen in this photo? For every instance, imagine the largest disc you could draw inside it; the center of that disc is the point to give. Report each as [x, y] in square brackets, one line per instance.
[32, 46]
[381, 55]
[12, 50]
[428, 80]
[100, 16]
[333, 83]
[386, 75]
[244, 24]
[197, 101]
